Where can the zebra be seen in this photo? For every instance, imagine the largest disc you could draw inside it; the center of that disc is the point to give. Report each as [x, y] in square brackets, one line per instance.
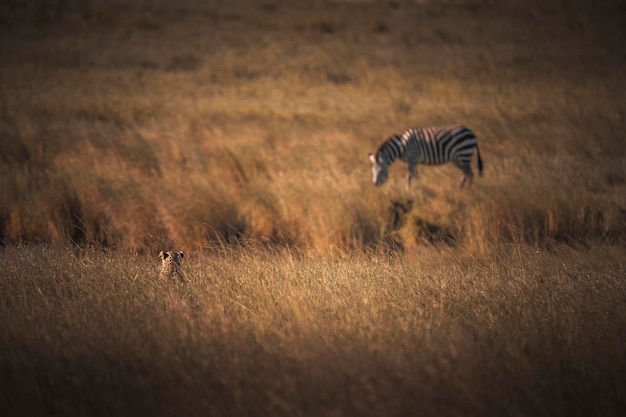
[428, 145]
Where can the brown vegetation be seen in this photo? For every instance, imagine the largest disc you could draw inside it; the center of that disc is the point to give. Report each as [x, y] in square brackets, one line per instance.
[177, 126]
[514, 332]
[239, 132]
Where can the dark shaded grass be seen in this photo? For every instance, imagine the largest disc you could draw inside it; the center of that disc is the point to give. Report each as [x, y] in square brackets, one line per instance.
[243, 132]
[518, 332]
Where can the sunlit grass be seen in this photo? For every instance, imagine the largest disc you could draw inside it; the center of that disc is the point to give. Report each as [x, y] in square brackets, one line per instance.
[517, 330]
[239, 133]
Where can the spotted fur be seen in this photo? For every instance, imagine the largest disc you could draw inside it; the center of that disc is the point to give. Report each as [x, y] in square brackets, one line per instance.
[171, 266]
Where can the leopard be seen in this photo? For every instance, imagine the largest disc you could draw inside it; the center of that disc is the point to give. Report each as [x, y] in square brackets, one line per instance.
[171, 266]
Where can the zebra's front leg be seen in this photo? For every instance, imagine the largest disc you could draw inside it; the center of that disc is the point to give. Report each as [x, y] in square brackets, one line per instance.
[411, 174]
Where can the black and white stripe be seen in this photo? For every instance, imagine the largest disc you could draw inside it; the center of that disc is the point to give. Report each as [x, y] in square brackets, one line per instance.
[431, 146]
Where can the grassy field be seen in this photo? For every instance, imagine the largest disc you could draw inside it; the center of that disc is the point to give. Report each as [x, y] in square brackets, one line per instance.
[239, 133]
[515, 332]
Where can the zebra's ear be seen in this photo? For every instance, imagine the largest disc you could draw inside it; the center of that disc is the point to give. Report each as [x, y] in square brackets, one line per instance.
[372, 158]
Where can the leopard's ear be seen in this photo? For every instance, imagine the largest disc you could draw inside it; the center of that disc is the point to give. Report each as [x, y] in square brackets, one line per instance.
[163, 255]
[182, 254]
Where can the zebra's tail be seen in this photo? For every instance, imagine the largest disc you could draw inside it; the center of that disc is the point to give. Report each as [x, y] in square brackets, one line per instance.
[480, 161]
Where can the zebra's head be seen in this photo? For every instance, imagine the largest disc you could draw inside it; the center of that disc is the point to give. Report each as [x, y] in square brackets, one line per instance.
[380, 170]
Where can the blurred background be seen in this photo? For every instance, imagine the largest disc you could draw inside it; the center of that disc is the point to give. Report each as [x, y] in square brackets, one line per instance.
[141, 125]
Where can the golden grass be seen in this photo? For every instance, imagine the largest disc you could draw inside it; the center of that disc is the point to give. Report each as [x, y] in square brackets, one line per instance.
[239, 133]
[516, 331]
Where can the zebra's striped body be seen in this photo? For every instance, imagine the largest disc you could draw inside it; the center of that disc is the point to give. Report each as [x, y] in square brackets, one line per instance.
[429, 145]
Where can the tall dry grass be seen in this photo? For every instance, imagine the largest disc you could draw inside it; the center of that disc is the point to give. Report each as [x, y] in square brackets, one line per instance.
[514, 332]
[168, 128]
[239, 132]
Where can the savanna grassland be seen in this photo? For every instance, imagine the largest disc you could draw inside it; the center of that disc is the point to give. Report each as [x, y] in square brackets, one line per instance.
[238, 132]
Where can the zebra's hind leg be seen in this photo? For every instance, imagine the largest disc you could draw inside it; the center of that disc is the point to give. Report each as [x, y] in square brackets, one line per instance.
[468, 174]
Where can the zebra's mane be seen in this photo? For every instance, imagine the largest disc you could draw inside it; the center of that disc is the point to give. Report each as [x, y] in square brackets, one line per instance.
[391, 148]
